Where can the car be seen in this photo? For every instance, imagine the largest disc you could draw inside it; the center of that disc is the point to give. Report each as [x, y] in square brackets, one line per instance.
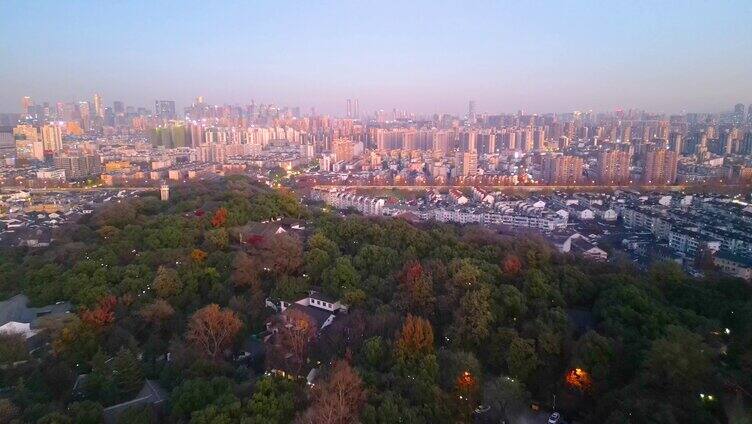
[554, 418]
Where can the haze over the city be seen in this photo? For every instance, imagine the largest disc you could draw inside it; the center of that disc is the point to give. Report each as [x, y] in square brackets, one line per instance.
[420, 56]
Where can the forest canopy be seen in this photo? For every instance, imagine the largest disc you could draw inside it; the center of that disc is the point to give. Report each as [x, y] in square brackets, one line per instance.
[441, 319]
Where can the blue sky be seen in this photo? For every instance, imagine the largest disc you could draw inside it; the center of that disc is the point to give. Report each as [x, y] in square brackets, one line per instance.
[423, 56]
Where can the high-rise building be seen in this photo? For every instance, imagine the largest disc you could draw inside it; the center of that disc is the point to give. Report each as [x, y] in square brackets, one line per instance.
[344, 149]
[660, 167]
[562, 170]
[613, 167]
[26, 105]
[738, 114]
[165, 109]
[469, 164]
[349, 108]
[676, 143]
[98, 106]
[78, 165]
[26, 132]
[471, 112]
[85, 112]
[356, 110]
[52, 138]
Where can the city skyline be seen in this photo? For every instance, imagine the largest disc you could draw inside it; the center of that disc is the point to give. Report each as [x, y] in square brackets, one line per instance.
[505, 56]
[471, 113]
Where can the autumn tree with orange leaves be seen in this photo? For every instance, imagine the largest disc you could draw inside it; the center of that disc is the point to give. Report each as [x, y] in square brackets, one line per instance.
[212, 330]
[415, 338]
[339, 399]
[219, 218]
[198, 256]
[102, 315]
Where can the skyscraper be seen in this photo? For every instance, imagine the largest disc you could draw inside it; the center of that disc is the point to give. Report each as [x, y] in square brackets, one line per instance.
[356, 110]
[349, 108]
[660, 167]
[98, 106]
[26, 104]
[471, 112]
[164, 109]
[738, 114]
[676, 143]
[85, 113]
[52, 138]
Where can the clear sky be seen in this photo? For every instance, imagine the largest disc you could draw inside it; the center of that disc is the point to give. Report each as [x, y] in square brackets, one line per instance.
[423, 56]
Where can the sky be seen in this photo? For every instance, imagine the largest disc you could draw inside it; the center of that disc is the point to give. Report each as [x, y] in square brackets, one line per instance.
[420, 56]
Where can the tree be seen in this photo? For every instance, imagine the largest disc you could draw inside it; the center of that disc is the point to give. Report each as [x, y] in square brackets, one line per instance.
[595, 354]
[55, 418]
[167, 282]
[341, 278]
[218, 239]
[296, 331]
[212, 330]
[13, 348]
[156, 312]
[137, 415]
[415, 339]
[195, 394]
[521, 358]
[289, 288]
[416, 290]
[511, 265]
[510, 304]
[101, 316]
[8, 411]
[472, 320]
[219, 218]
[86, 412]
[282, 254]
[273, 401]
[680, 360]
[245, 270]
[127, 372]
[506, 395]
[339, 399]
[198, 256]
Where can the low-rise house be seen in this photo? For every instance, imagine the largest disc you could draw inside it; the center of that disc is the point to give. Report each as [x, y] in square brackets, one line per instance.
[735, 265]
[581, 245]
[151, 396]
[16, 317]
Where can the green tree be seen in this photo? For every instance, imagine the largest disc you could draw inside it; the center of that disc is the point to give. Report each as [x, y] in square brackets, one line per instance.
[341, 278]
[86, 412]
[13, 348]
[218, 238]
[167, 282]
[472, 320]
[195, 394]
[273, 401]
[507, 395]
[521, 358]
[127, 372]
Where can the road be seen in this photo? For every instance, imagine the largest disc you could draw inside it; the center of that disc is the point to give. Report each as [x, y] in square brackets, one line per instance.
[517, 188]
[73, 189]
